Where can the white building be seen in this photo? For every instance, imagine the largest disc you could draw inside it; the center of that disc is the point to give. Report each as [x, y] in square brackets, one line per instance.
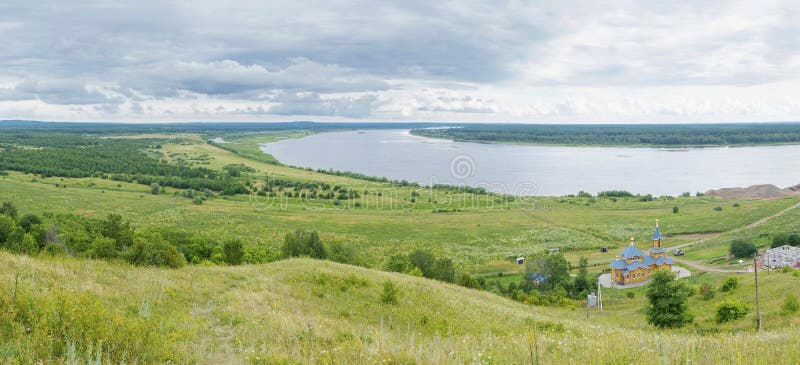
[782, 256]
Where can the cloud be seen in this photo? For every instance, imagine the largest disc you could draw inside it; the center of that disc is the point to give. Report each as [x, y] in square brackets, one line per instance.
[549, 61]
[311, 104]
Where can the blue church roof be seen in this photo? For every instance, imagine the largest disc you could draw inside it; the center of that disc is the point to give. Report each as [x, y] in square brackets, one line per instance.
[619, 264]
[658, 250]
[657, 234]
[631, 252]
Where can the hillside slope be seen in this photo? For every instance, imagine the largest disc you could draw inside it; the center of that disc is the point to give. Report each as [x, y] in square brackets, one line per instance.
[307, 311]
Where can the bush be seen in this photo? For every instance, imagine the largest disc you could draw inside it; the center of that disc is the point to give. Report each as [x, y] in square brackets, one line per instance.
[731, 310]
[390, 292]
[232, 252]
[8, 209]
[742, 249]
[342, 253]
[790, 304]
[398, 263]
[155, 188]
[736, 205]
[468, 281]
[675, 210]
[304, 243]
[630, 295]
[154, 251]
[28, 221]
[103, 248]
[718, 208]
[706, 291]
[424, 261]
[730, 284]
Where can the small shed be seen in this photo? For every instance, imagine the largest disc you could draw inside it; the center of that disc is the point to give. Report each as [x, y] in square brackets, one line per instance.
[520, 260]
[604, 249]
[553, 251]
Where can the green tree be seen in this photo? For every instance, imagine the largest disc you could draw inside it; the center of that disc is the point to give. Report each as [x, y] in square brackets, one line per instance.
[8, 209]
[779, 239]
[103, 248]
[443, 270]
[390, 293]
[423, 260]
[155, 188]
[675, 210]
[554, 267]
[29, 246]
[730, 310]
[398, 263]
[742, 249]
[303, 243]
[582, 283]
[116, 228]
[468, 281]
[232, 251]
[667, 301]
[153, 250]
[7, 226]
[27, 221]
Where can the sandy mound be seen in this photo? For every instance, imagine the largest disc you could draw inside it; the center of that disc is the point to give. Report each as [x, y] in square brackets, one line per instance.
[755, 191]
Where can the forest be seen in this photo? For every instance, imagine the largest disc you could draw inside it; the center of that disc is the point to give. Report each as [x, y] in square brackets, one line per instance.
[674, 135]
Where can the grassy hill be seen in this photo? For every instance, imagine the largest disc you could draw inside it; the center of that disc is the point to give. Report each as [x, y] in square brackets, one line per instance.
[308, 311]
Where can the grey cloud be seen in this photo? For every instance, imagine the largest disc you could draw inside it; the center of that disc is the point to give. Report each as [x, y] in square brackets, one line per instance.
[312, 104]
[59, 91]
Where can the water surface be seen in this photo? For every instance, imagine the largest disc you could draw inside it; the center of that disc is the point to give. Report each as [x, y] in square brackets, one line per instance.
[541, 170]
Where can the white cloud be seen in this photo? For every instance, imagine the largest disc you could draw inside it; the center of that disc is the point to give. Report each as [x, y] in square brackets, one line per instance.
[554, 61]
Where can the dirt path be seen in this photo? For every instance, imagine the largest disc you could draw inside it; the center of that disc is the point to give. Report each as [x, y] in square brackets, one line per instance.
[701, 267]
[696, 265]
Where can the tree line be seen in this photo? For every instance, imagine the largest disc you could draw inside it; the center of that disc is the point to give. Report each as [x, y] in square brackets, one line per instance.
[618, 135]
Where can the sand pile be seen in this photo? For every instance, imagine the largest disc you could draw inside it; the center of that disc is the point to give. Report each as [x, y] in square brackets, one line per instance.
[755, 191]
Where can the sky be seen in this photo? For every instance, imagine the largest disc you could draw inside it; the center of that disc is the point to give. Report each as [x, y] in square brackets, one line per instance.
[448, 61]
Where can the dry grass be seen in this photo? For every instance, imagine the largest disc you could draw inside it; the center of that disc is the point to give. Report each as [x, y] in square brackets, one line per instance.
[307, 311]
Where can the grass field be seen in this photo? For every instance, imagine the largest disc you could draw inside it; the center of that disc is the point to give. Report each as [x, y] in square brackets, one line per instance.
[307, 311]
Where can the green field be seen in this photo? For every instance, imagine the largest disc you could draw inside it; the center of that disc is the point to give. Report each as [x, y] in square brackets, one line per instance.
[310, 311]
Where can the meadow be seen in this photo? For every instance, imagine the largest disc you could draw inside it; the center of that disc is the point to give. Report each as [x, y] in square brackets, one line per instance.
[59, 309]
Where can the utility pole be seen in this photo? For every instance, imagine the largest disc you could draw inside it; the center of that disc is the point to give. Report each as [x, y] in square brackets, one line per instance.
[755, 271]
[599, 297]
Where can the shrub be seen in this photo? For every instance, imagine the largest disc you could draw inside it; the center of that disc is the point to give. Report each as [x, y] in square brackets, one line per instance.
[468, 281]
[718, 208]
[630, 295]
[730, 284]
[742, 249]
[28, 221]
[232, 252]
[730, 310]
[342, 253]
[8, 209]
[103, 248]
[675, 210]
[706, 291]
[304, 243]
[398, 263]
[424, 261]
[736, 205]
[390, 292]
[155, 188]
[154, 251]
[790, 304]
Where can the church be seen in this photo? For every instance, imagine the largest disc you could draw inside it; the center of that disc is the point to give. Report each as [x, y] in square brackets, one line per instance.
[635, 266]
